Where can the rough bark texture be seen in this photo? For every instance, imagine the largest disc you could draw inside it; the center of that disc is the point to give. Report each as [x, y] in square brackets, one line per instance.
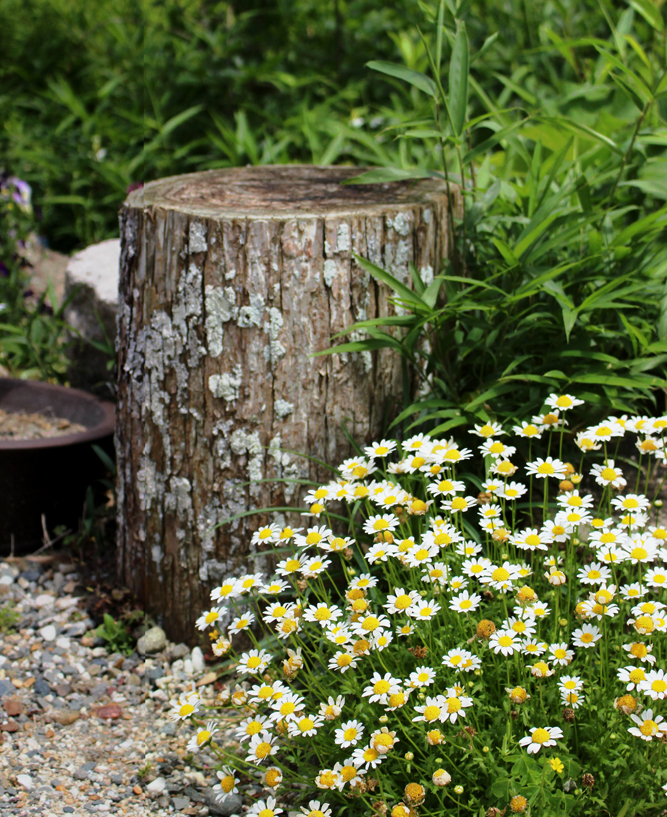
[229, 281]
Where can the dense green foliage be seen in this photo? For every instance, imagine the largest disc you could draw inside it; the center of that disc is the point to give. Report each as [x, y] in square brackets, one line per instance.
[559, 275]
[555, 125]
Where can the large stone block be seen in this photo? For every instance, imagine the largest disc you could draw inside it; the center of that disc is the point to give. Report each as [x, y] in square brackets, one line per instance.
[92, 275]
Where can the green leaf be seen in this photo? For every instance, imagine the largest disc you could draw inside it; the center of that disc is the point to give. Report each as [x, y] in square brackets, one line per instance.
[649, 12]
[569, 320]
[415, 78]
[506, 251]
[387, 278]
[458, 80]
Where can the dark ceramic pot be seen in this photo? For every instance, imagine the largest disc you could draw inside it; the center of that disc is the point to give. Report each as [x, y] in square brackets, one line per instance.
[49, 477]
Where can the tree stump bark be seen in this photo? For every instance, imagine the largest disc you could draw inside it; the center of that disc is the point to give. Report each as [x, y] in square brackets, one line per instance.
[230, 280]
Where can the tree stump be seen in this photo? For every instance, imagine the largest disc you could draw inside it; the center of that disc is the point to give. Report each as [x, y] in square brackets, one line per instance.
[230, 280]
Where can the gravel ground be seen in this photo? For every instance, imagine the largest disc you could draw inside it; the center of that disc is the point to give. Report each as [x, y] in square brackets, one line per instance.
[84, 732]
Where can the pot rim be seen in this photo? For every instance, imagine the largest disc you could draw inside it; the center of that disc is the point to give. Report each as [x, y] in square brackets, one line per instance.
[104, 428]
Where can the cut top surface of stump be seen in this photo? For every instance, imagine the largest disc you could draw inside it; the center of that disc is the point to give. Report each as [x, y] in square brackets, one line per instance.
[281, 191]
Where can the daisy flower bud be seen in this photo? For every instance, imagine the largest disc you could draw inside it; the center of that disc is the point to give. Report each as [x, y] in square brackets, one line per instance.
[441, 778]
[415, 794]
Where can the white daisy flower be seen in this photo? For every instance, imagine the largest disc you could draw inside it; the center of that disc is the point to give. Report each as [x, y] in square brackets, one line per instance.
[228, 783]
[349, 734]
[539, 737]
[586, 636]
[648, 727]
[261, 746]
[202, 737]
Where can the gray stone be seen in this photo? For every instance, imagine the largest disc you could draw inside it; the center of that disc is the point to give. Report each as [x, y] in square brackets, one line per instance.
[169, 729]
[83, 772]
[77, 629]
[7, 688]
[92, 276]
[117, 779]
[232, 804]
[155, 640]
[178, 651]
[180, 803]
[155, 674]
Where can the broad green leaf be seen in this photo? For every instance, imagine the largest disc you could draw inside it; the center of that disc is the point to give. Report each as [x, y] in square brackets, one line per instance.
[458, 80]
[415, 78]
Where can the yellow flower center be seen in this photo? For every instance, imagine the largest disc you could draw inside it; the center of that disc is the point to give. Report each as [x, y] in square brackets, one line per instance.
[505, 641]
[313, 538]
[383, 739]
[328, 780]
[659, 685]
[496, 448]
[540, 736]
[417, 462]
[453, 454]
[202, 737]
[322, 614]
[350, 734]
[227, 783]
[348, 773]
[644, 624]
[306, 724]
[381, 687]
[370, 623]
[397, 699]
[292, 564]
[545, 468]
[254, 661]
[212, 616]
[371, 754]
[594, 574]
[649, 727]
[453, 705]
[432, 713]
[263, 750]
[560, 653]
[500, 574]
[637, 675]
[533, 540]
[186, 709]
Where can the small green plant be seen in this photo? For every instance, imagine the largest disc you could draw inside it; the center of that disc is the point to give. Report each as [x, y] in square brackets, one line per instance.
[145, 771]
[116, 635]
[9, 618]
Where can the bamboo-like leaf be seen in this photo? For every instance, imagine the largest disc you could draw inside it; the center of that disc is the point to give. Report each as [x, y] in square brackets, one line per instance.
[387, 278]
[649, 12]
[415, 78]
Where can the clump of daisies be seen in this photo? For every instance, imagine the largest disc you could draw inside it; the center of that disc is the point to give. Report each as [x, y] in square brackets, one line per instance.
[433, 643]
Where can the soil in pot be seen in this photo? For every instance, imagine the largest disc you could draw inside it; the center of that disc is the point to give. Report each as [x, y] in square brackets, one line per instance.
[17, 425]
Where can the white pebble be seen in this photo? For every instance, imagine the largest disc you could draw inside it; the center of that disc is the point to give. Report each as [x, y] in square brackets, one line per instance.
[6, 579]
[25, 780]
[43, 600]
[62, 641]
[157, 785]
[197, 658]
[48, 633]
[187, 667]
